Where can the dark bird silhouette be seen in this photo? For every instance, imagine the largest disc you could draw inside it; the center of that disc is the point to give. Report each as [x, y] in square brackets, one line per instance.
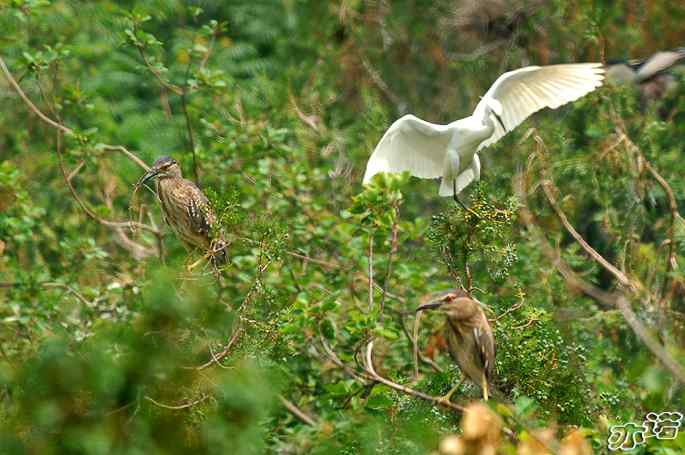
[469, 338]
[652, 75]
[186, 209]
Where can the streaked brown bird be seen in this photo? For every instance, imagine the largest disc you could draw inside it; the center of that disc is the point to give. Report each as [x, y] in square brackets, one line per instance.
[186, 209]
[469, 338]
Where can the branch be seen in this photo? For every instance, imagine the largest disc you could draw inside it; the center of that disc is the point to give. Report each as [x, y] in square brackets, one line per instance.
[616, 300]
[61, 129]
[370, 271]
[216, 358]
[549, 188]
[672, 206]
[297, 412]
[29, 103]
[391, 257]
[400, 388]
[186, 405]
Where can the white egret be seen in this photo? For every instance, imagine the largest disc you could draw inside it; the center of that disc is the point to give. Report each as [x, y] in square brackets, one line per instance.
[428, 150]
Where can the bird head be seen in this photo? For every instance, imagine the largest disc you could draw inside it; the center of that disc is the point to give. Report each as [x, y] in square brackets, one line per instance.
[165, 166]
[454, 303]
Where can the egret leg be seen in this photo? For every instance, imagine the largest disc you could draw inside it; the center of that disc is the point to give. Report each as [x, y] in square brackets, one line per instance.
[458, 201]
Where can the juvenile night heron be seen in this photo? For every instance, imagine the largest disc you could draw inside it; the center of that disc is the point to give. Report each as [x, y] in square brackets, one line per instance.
[430, 151]
[469, 338]
[186, 209]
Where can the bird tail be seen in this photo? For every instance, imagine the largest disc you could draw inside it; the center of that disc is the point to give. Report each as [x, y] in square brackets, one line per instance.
[462, 181]
[219, 251]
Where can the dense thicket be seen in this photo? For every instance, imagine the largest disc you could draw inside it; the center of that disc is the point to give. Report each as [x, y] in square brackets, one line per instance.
[108, 344]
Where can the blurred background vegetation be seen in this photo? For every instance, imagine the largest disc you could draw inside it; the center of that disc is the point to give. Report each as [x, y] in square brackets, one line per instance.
[109, 345]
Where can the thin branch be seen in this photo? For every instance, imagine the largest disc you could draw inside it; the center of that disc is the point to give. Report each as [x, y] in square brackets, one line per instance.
[76, 170]
[672, 206]
[329, 265]
[408, 390]
[616, 300]
[191, 140]
[69, 289]
[165, 85]
[186, 405]
[227, 349]
[29, 103]
[370, 256]
[297, 412]
[391, 257]
[548, 188]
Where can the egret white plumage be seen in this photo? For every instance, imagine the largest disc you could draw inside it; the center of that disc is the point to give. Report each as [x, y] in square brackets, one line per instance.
[428, 150]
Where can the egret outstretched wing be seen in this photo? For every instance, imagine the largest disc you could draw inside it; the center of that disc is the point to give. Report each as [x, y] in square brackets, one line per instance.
[410, 144]
[527, 90]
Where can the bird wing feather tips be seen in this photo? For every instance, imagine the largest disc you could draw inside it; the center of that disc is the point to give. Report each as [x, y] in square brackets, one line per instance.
[527, 90]
[410, 144]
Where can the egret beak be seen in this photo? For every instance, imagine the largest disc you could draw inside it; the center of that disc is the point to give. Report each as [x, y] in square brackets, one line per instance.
[149, 175]
[430, 305]
[499, 119]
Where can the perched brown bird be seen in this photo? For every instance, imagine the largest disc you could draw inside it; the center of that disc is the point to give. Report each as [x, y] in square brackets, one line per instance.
[186, 209]
[469, 337]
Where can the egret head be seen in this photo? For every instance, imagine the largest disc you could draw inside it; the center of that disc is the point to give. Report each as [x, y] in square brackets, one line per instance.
[165, 166]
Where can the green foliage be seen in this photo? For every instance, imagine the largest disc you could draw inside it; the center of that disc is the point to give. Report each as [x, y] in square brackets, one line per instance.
[279, 104]
[478, 236]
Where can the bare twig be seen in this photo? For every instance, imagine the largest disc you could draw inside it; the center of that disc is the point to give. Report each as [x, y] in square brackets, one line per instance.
[69, 289]
[76, 170]
[29, 103]
[297, 412]
[391, 257]
[165, 84]
[548, 188]
[191, 140]
[370, 256]
[329, 265]
[672, 206]
[616, 300]
[216, 358]
[408, 390]
[186, 405]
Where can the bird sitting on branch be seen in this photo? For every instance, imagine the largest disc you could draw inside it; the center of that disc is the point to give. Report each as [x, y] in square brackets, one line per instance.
[186, 210]
[469, 338]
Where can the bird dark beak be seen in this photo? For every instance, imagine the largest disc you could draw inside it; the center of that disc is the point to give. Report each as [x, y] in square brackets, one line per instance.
[499, 119]
[149, 175]
[430, 305]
